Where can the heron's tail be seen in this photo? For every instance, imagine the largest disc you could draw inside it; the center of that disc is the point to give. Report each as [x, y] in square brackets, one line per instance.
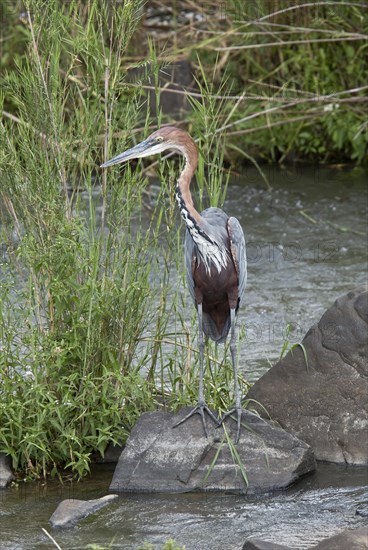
[218, 334]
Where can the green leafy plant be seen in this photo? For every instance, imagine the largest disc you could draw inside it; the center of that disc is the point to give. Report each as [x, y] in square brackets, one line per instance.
[83, 342]
[75, 288]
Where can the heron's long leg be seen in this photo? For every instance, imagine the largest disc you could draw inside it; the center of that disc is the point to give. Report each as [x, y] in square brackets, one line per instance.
[201, 353]
[201, 406]
[238, 408]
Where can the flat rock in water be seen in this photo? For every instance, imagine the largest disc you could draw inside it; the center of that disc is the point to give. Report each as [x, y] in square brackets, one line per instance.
[71, 510]
[160, 458]
[324, 401]
[6, 474]
[355, 539]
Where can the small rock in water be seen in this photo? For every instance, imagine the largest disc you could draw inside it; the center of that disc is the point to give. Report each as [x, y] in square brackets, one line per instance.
[6, 474]
[71, 510]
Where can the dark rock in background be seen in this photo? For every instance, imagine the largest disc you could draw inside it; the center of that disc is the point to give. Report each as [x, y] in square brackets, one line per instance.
[173, 79]
[111, 455]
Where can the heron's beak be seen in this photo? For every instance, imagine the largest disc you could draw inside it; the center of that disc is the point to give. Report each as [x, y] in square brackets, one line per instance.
[143, 149]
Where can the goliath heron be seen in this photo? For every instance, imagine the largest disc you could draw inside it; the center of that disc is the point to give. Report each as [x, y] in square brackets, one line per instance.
[215, 258]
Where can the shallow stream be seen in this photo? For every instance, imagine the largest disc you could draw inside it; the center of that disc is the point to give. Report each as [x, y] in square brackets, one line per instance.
[307, 245]
[317, 507]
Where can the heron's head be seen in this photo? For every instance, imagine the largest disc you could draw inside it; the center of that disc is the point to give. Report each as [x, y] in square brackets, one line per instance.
[161, 140]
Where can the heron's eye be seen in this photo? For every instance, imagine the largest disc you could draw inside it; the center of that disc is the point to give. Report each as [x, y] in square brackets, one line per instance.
[159, 139]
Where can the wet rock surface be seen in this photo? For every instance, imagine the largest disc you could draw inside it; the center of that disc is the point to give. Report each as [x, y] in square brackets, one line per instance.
[71, 510]
[324, 401]
[6, 474]
[160, 458]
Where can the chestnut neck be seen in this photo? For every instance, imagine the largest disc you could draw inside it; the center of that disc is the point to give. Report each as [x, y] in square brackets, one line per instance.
[184, 195]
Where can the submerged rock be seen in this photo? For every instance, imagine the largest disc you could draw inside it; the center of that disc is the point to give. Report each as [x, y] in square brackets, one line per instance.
[160, 458]
[6, 474]
[355, 539]
[324, 401]
[71, 510]
[362, 510]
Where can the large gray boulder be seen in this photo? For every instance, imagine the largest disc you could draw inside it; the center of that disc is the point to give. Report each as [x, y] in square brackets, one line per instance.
[160, 458]
[324, 401]
[6, 474]
[71, 510]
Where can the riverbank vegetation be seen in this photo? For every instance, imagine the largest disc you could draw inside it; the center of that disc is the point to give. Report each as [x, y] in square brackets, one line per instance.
[295, 74]
[89, 300]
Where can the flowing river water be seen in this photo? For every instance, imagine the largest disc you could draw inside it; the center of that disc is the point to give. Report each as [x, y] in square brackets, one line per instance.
[307, 245]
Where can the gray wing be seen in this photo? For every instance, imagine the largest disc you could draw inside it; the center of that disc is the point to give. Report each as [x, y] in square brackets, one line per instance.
[189, 249]
[238, 252]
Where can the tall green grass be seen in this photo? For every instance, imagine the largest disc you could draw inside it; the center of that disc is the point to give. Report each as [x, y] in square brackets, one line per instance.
[95, 326]
[75, 283]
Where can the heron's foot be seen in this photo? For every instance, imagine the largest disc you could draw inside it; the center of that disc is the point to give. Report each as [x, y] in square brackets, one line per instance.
[237, 410]
[200, 408]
